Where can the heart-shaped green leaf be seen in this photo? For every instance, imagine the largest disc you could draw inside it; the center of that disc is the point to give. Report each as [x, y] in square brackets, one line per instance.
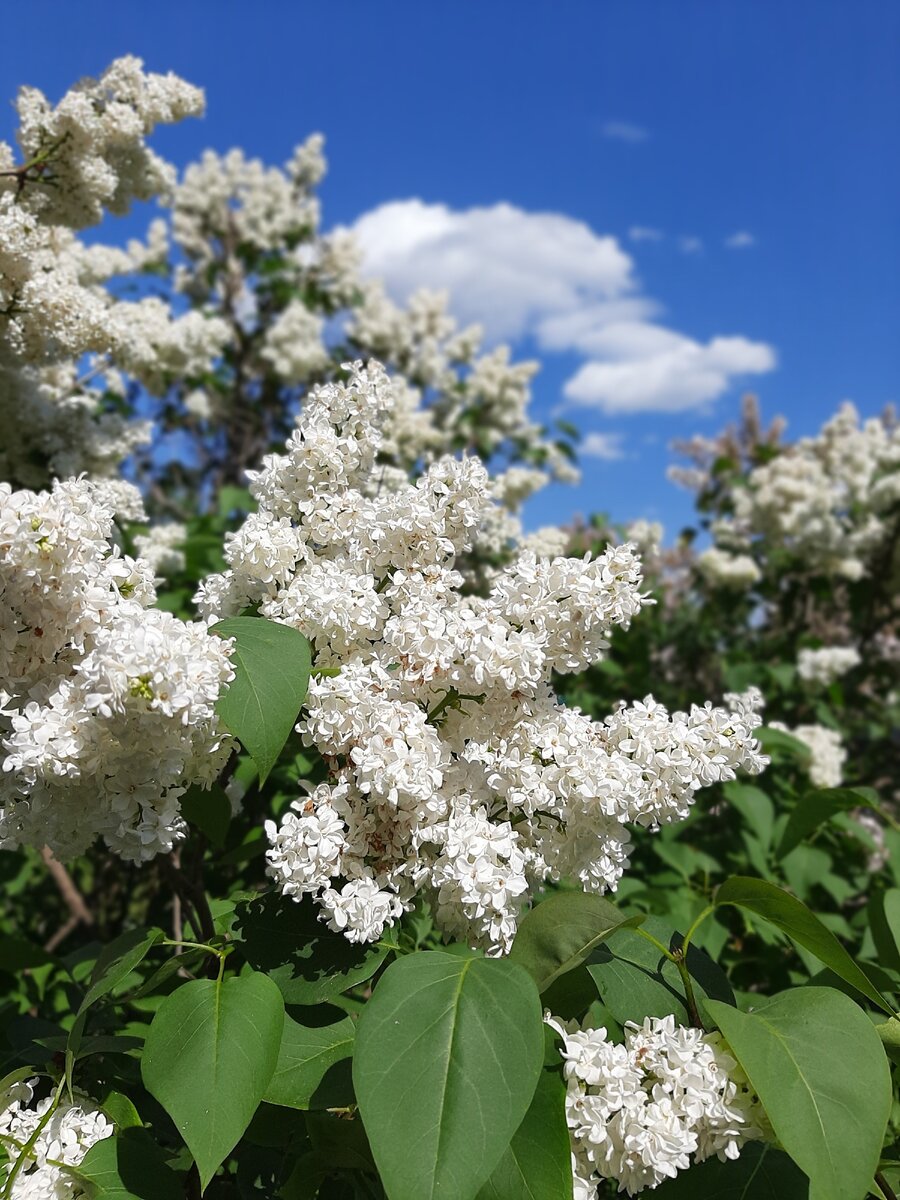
[209, 1057]
[448, 1055]
[817, 1065]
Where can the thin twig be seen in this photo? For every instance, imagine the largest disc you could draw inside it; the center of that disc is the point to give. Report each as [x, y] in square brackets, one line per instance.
[80, 914]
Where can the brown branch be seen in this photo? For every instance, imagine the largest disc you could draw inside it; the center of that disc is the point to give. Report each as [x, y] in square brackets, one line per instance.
[80, 914]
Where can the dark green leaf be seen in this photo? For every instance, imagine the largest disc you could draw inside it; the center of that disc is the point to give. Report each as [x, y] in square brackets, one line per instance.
[816, 1063]
[311, 1072]
[761, 1173]
[884, 921]
[755, 807]
[448, 1055]
[310, 962]
[118, 960]
[210, 810]
[129, 1166]
[815, 808]
[208, 1059]
[634, 983]
[536, 1165]
[560, 932]
[782, 745]
[260, 707]
[18, 954]
[795, 919]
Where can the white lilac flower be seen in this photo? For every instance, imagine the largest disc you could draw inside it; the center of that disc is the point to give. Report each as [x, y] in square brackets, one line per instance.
[453, 769]
[639, 1112]
[72, 1129]
[826, 664]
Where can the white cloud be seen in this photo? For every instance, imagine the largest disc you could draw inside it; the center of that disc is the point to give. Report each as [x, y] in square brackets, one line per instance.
[504, 267]
[740, 240]
[551, 277]
[624, 131]
[671, 373]
[605, 446]
[645, 233]
[690, 244]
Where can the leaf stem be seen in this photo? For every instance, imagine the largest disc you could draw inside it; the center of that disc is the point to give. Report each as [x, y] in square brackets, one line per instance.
[686, 940]
[693, 1010]
[655, 942]
[30, 1144]
[887, 1190]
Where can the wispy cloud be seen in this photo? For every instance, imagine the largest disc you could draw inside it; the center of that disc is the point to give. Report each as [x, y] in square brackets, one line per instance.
[645, 233]
[624, 131]
[689, 244]
[549, 277]
[608, 447]
[741, 240]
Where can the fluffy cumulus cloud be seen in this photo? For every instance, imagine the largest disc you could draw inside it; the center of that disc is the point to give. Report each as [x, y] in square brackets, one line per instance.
[503, 267]
[675, 373]
[552, 278]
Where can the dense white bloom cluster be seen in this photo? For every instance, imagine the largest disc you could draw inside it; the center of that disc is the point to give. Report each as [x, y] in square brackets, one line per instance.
[826, 664]
[726, 570]
[293, 344]
[80, 158]
[230, 212]
[646, 535]
[639, 1111]
[826, 496]
[63, 1139]
[827, 753]
[454, 769]
[106, 705]
[159, 547]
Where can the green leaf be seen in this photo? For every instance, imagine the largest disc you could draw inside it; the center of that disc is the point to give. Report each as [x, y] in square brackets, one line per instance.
[260, 707]
[816, 1063]
[129, 1166]
[18, 954]
[309, 962]
[632, 990]
[560, 932]
[448, 1056]
[210, 810]
[536, 1165]
[795, 919]
[782, 745]
[309, 1072]
[634, 980]
[755, 807]
[117, 960]
[121, 1111]
[815, 808]
[884, 921]
[761, 1173]
[210, 1053]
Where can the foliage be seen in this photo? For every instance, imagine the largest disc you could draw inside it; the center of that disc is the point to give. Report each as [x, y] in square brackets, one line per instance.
[207, 1014]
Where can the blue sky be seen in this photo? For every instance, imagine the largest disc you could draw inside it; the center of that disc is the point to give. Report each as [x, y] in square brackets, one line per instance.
[594, 124]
